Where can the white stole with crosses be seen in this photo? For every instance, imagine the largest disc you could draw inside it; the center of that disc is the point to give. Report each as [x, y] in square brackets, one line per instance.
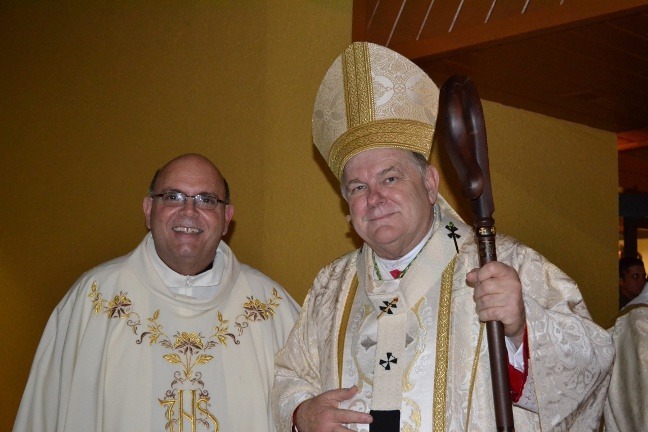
[391, 300]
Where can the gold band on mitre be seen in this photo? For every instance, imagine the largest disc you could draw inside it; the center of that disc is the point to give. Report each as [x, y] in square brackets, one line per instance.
[372, 97]
[388, 133]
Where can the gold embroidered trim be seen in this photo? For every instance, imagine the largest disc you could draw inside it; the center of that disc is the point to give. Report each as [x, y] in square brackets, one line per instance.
[442, 346]
[393, 133]
[473, 375]
[358, 90]
[344, 323]
[187, 350]
[407, 385]
[415, 417]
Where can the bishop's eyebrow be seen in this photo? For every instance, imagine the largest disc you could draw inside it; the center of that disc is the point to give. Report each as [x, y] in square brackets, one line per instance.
[352, 181]
[387, 170]
[380, 174]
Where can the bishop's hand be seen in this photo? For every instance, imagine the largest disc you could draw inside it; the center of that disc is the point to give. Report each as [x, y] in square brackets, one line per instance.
[498, 297]
[322, 413]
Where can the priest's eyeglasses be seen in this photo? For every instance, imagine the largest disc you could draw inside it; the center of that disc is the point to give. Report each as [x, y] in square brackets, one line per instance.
[178, 199]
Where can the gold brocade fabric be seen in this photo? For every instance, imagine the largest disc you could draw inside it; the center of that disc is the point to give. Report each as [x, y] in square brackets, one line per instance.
[343, 326]
[566, 347]
[442, 345]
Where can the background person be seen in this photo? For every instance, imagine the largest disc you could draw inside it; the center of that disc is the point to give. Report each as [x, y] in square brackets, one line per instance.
[626, 408]
[632, 278]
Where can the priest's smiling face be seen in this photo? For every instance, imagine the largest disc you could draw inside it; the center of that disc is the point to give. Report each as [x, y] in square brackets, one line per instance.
[186, 238]
[390, 199]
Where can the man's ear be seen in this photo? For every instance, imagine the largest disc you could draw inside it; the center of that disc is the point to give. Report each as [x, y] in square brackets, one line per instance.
[432, 183]
[229, 213]
[146, 206]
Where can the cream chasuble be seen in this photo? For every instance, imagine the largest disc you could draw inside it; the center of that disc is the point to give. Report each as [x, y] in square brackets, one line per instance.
[121, 353]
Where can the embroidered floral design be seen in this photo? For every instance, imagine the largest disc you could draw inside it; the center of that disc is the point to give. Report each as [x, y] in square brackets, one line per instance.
[221, 332]
[155, 331]
[186, 346]
[255, 310]
[187, 349]
[95, 295]
[119, 307]
[188, 342]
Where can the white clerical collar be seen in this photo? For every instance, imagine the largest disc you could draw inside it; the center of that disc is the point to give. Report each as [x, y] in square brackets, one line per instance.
[386, 266]
[202, 286]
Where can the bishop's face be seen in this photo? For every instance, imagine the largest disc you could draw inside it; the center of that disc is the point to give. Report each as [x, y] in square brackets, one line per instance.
[390, 199]
[186, 238]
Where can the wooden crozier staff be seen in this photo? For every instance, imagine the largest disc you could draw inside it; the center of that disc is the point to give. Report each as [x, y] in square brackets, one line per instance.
[462, 125]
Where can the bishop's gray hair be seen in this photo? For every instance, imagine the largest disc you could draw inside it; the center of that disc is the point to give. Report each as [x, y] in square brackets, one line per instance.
[417, 158]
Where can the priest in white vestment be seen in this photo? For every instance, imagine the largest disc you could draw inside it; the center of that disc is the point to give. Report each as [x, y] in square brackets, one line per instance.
[391, 336]
[626, 409]
[176, 336]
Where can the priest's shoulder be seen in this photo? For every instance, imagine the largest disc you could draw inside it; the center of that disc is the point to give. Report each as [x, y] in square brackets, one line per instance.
[92, 284]
[258, 280]
[102, 273]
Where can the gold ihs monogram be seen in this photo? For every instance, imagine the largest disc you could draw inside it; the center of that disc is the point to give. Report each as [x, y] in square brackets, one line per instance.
[199, 403]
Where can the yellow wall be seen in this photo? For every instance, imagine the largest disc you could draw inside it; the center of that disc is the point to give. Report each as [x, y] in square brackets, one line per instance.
[555, 189]
[96, 96]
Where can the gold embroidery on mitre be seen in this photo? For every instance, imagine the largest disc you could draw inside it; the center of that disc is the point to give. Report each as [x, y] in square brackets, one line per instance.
[442, 345]
[358, 90]
[187, 349]
[392, 133]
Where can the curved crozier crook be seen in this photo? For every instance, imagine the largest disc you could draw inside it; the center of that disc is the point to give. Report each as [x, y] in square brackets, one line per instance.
[464, 134]
[459, 133]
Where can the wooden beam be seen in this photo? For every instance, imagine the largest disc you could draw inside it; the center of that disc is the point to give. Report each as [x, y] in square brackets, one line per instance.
[514, 27]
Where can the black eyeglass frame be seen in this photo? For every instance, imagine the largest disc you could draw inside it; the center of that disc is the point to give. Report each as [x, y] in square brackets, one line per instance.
[183, 200]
